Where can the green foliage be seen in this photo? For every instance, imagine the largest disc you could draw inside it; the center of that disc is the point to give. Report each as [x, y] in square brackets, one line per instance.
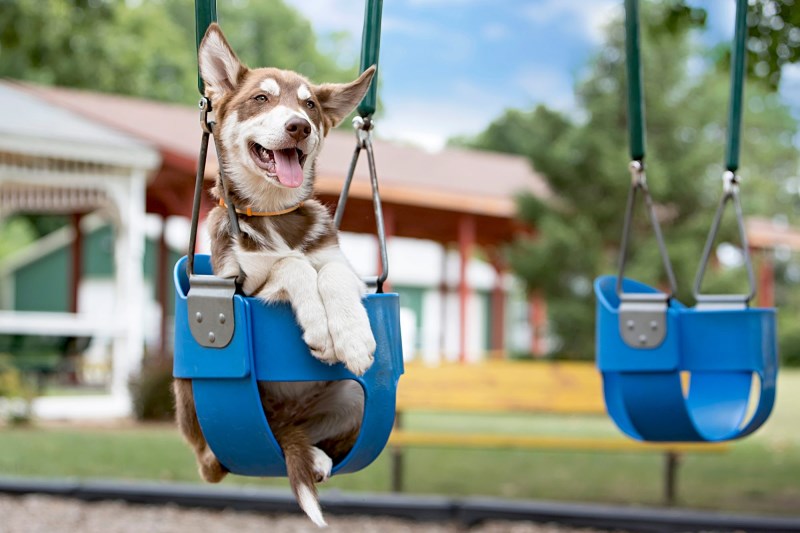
[15, 395]
[147, 48]
[15, 233]
[151, 390]
[585, 163]
[774, 38]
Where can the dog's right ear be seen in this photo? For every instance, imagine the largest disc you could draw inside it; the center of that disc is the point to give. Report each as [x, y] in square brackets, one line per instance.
[220, 69]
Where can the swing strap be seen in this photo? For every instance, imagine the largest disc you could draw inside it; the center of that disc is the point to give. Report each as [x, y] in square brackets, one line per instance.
[363, 125]
[730, 180]
[654, 306]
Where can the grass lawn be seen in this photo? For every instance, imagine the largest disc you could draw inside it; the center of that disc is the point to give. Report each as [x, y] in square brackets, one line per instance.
[760, 474]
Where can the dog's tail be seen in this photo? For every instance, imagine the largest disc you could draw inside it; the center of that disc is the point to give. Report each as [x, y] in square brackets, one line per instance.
[300, 469]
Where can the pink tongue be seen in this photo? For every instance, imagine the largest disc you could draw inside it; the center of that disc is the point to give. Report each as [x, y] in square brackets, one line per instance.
[287, 166]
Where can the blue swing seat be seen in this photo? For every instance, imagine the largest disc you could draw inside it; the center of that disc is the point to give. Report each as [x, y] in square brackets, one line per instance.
[721, 350]
[267, 345]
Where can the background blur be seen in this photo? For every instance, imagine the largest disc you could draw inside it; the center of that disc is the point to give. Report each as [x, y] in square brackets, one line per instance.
[502, 153]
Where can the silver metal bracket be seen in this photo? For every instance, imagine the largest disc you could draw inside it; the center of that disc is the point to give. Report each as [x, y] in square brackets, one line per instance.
[643, 319]
[210, 307]
[721, 302]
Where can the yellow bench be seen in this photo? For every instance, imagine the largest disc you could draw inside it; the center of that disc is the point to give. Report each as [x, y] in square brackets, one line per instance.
[515, 387]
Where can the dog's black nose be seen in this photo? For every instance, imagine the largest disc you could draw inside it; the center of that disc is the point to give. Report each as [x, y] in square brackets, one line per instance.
[298, 128]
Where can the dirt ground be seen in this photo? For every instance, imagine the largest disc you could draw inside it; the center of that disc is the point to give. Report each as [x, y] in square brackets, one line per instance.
[45, 514]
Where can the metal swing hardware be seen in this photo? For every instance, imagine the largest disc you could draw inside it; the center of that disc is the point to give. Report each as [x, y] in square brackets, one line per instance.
[210, 298]
[210, 308]
[363, 127]
[726, 349]
[642, 316]
[730, 193]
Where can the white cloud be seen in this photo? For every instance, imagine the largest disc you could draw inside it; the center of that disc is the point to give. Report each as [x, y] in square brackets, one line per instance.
[588, 18]
[429, 124]
[494, 31]
[332, 15]
[553, 88]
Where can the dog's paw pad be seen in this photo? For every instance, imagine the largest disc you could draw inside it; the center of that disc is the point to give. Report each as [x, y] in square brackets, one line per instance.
[322, 465]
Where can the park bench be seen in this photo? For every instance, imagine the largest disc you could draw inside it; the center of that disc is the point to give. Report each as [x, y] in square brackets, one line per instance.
[522, 387]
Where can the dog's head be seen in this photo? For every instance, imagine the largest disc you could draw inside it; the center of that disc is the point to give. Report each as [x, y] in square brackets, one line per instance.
[270, 122]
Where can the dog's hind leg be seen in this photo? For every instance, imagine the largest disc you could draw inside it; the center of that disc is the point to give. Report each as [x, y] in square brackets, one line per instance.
[295, 280]
[210, 468]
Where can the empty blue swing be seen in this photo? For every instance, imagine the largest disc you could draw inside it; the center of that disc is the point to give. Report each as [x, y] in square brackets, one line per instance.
[673, 373]
[226, 342]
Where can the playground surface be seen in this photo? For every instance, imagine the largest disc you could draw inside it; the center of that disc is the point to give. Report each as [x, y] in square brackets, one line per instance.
[47, 514]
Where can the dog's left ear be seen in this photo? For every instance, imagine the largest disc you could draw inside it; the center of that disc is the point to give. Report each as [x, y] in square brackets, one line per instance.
[339, 99]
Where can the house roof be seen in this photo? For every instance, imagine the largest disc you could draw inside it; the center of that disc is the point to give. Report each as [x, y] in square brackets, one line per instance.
[767, 234]
[427, 192]
[38, 128]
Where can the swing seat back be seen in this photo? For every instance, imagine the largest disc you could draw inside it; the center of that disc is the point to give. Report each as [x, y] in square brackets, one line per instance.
[711, 378]
[267, 345]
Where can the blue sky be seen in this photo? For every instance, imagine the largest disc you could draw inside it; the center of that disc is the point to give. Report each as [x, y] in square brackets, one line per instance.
[449, 66]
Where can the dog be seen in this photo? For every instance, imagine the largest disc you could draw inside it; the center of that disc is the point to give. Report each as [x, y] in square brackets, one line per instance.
[270, 128]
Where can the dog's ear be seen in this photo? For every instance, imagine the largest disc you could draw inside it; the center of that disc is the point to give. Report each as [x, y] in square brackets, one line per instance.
[220, 69]
[339, 99]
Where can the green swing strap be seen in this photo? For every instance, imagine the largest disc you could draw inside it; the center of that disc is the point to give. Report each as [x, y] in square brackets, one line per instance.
[363, 125]
[370, 52]
[738, 56]
[638, 185]
[730, 179]
[635, 90]
[205, 12]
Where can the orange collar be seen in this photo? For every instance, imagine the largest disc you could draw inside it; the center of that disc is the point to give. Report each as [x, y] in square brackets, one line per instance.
[250, 213]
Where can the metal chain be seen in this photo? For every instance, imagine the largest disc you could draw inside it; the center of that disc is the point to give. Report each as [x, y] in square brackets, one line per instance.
[639, 183]
[730, 193]
[730, 180]
[363, 128]
[207, 124]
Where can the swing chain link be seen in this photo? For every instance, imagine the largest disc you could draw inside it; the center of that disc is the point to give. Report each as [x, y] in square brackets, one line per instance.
[363, 128]
[206, 115]
[639, 183]
[730, 193]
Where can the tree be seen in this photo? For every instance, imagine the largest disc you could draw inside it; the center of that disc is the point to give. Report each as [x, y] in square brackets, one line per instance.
[773, 38]
[585, 163]
[147, 48]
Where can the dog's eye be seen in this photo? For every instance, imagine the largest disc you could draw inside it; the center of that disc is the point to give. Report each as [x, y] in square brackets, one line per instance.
[310, 104]
[260, 98]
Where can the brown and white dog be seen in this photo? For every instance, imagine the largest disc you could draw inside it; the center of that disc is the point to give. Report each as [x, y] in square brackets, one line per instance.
[271, 125]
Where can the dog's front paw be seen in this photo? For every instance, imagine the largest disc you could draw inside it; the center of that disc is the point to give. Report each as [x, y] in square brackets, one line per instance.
[322, 465]
[355, 347]
[319, 342]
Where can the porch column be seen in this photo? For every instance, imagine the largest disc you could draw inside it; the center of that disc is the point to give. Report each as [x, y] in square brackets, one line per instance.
[443, 292]
[766, 278]
[466, 241]
[498, 308]
[77, 262]
[129, 266]
[162, 280]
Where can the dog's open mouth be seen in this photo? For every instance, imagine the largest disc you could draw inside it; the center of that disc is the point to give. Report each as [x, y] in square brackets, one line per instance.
[286, 164]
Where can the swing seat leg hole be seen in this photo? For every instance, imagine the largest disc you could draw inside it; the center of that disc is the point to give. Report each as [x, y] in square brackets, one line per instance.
[324, 416]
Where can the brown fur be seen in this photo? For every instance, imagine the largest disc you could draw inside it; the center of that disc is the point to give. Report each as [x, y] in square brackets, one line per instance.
[293, 411]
